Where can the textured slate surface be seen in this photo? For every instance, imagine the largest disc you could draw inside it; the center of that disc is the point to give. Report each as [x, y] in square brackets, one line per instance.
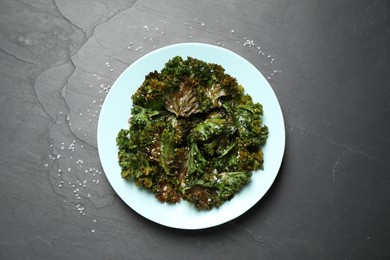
[329, 65]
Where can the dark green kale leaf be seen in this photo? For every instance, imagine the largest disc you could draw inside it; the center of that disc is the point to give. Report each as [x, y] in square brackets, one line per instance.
[209, 192]
[228, 183]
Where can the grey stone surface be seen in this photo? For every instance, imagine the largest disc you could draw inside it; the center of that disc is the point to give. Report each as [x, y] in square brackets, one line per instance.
[329, 65]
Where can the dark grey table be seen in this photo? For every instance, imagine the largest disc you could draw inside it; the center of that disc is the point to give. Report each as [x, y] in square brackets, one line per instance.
[327, 61]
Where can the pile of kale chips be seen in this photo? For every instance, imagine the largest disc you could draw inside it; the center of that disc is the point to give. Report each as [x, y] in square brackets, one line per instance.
[194, 134]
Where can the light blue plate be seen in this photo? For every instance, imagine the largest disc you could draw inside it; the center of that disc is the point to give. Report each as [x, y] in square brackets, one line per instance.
[115, 113]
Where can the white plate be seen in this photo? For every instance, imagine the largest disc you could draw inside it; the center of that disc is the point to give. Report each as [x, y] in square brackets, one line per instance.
[116, 110]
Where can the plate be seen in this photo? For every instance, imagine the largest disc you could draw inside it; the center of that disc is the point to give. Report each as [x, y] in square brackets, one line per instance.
[116, 110]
